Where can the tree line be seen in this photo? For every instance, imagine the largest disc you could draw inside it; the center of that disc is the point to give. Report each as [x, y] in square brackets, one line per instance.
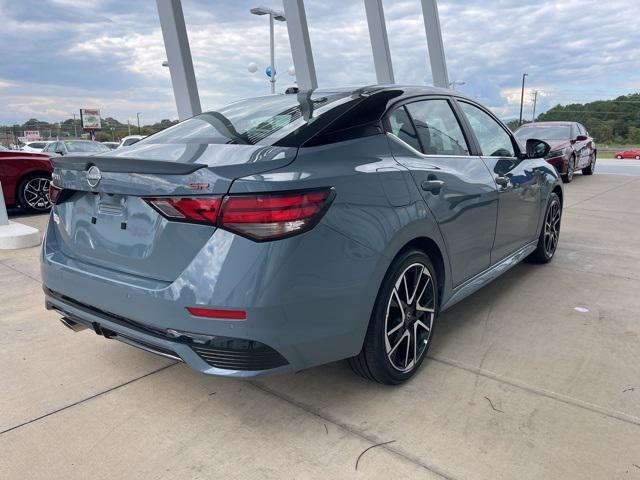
[607, 121]
[112, 129]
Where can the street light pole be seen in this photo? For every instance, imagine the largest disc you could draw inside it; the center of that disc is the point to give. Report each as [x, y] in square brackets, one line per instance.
[272, 49]
[138, 115]
[535, 102]
[75, 132]
[273, 15]
[524, 76]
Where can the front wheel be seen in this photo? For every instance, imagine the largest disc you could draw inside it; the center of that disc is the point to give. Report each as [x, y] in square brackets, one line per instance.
[550, 233]
[401, 326]
[33, 193]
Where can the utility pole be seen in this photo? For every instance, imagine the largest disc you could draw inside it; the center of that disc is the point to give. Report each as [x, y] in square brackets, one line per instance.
[535, 101]
[129, 126]
[524, 76]
[75, 132]
[138, 115]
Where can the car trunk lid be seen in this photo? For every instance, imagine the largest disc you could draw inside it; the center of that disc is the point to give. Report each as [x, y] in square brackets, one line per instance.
[104, 220]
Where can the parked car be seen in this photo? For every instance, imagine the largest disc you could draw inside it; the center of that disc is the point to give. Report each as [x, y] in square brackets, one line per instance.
[111, 145]
[75, 147]
[25, 178]
[130, 140]
[571, 146]
[34, 147]
[288, 231]
[635, 153]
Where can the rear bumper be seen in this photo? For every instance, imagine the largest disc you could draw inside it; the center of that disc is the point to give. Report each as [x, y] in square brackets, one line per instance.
[308, 301]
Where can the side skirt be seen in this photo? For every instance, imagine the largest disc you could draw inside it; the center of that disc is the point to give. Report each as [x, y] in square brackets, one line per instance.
[476, 283]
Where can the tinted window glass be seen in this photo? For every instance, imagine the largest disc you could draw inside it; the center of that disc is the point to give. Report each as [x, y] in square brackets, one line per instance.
[130, 141]
[401, 127]
[544, 132]
[438, 128]
[494, 141]
[85, 147]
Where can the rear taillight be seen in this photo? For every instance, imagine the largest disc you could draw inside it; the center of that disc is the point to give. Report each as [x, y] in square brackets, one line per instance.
[260, 217]
[188, 209]
[54, 193]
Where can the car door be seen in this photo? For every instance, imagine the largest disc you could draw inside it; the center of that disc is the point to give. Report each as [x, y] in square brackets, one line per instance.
[457, 187]
[516, 179]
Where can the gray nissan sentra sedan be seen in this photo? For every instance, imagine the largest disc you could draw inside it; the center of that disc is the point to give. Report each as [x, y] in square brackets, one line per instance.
[288, 231]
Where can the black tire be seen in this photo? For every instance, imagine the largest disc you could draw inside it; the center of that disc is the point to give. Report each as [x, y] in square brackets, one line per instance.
[619, 157]
[543, 253]
[377, 360]
[591, 168]
[637, 157]
[571, 170]
[33, 193]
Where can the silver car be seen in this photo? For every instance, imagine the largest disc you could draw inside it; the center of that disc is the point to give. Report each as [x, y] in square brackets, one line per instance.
[288, 231]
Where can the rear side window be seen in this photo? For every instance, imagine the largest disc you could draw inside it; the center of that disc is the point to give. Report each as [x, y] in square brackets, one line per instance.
[438, 128]
[493, 139]
[400, 125]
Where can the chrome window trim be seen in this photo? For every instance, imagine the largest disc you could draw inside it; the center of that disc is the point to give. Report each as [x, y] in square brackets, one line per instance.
[430, 155]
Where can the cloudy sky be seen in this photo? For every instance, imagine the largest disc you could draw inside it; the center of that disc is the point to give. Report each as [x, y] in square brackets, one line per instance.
[62, 55]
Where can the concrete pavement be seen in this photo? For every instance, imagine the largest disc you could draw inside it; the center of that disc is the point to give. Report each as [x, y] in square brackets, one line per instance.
[535, 376]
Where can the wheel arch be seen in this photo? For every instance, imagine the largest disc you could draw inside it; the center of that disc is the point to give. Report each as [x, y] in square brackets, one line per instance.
[432, 250]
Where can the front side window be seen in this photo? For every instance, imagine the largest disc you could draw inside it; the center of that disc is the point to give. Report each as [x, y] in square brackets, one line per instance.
[400, 125]
[438, 128]
[493, 139]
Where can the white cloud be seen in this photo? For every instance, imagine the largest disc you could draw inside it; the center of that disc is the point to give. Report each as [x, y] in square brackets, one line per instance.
[111, 54]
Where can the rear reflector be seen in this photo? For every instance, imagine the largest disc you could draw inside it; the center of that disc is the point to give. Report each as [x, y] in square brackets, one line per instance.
[214, 313]
[259, 217]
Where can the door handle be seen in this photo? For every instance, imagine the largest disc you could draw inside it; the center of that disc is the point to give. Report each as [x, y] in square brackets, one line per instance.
[432, 185]
[502, 181]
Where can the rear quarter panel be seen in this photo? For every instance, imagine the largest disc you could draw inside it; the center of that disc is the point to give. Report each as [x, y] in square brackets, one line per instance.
[376, 205]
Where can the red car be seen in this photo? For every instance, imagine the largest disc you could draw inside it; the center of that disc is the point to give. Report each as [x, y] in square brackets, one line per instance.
[628, 154]
[25, 179]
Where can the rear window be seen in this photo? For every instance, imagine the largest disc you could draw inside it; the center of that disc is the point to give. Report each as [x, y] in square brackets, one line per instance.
[257, 121]
[75, 147]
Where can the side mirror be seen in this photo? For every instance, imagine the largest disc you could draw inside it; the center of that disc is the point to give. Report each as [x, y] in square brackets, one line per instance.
[581, 138]
[537, 148]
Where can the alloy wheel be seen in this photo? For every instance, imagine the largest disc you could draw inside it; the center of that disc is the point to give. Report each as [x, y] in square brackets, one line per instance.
[409, 317]
[36, 193]
[552, 228]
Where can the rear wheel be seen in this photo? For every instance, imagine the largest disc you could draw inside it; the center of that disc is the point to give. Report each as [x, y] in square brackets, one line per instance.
[550, 233]
[33, 193]
[591, 168]
[401, 326]
[571, 169]
[637, 157]
[619, 157]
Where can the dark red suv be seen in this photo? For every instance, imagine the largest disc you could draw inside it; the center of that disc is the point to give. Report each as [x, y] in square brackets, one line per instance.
[25, 179]
[571, 146]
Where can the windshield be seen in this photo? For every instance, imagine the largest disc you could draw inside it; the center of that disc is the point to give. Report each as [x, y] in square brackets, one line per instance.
[542, 132]
[264, 120]
[93, 147]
